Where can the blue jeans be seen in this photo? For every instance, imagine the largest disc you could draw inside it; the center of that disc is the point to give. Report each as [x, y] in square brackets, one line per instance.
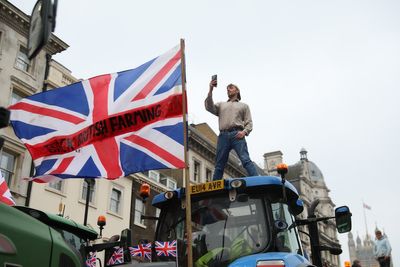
[227, 142]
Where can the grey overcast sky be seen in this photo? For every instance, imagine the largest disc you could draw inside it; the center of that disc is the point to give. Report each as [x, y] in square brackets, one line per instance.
[323, 75]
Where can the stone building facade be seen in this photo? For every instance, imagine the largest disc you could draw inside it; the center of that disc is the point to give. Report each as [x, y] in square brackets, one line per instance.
[19, 77]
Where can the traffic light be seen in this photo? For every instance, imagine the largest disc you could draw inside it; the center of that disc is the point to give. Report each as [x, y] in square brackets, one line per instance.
[347, 264]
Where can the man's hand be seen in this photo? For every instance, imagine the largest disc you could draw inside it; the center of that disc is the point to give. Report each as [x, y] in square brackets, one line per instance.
[213, 84]
[240, 134]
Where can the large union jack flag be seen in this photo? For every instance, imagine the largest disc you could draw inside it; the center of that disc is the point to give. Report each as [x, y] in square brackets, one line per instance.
[108, 126]
[141, 250]
[166, 248]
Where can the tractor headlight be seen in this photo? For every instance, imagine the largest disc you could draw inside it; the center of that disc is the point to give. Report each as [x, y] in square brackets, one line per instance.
[169, 194]
[238, 183]
[271, 263]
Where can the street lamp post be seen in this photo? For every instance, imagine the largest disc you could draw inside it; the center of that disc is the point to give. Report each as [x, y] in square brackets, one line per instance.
[313, 230]
[90, 183]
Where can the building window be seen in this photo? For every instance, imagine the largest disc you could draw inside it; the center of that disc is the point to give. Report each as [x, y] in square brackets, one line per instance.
[168, 181]
[171, 184]
[57, 185]
[208, 175]
[23, 62]
[15, 97]
[139, 211]
[196, 171]
[7, 165]
[153, 175]
[91, 192]
[115, 201]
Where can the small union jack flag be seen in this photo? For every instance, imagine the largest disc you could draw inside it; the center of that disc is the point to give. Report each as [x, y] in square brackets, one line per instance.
[366, 206]
[117, 257]
[108, 126]
[141, 250]
[166, 248]
[91, 260]
[5, 194]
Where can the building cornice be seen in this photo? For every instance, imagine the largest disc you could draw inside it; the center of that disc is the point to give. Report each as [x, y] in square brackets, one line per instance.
[200, 145]
[23, 84]
[55, 45]
[14, 17]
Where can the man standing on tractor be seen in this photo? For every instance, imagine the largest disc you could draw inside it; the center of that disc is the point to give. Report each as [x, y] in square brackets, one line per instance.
[235, 124]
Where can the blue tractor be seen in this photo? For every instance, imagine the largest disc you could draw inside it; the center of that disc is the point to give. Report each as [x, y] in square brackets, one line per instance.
[242, 222]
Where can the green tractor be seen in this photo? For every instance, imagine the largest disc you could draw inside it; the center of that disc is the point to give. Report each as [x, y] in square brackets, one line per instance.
[30, 237]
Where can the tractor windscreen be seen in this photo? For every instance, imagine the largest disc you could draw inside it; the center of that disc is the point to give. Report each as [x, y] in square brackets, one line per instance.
[222, 230]
[287, 238]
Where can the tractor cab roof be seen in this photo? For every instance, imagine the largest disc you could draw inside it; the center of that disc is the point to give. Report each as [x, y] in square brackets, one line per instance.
[271, 186]
[59, 222]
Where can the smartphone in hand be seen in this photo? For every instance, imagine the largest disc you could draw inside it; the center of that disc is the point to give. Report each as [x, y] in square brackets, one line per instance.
[214, 78]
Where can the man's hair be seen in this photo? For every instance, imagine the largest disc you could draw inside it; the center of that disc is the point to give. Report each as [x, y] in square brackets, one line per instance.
[378, 232]
[237, 88]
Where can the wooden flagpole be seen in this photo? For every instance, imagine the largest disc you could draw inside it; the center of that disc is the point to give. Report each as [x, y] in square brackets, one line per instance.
[188, 204]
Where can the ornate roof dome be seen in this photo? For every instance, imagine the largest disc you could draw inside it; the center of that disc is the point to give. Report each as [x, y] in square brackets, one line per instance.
[315, 173]
[303, 166]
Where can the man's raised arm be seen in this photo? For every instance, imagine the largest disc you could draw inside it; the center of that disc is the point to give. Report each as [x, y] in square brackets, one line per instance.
[209, 102]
